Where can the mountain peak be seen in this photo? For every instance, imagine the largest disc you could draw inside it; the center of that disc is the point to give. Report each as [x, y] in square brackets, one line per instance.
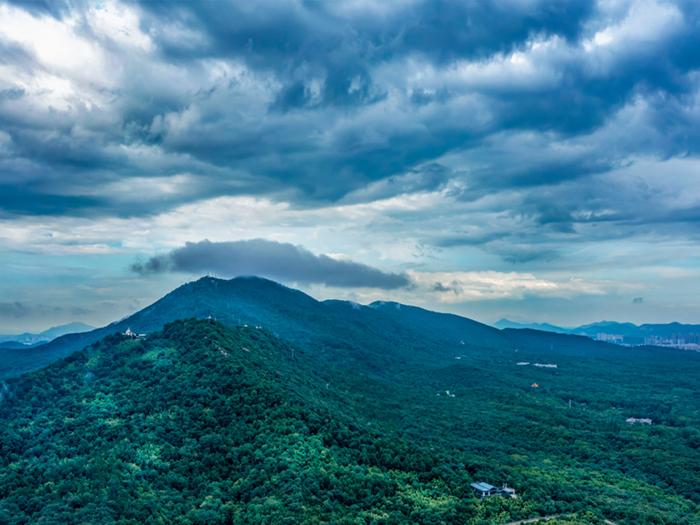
[240, 280]
[385, 304]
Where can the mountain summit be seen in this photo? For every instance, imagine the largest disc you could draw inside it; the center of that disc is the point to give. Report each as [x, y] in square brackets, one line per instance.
[338, 329]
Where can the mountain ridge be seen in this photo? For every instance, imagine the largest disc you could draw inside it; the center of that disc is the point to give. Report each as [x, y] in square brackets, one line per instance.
[547, 327]
[207, 423]
[359, 334]
[631, 333]
[245, 300]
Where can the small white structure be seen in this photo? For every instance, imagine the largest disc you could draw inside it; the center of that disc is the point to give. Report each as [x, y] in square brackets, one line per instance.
[545, 365]
[446, 393]
[133, 335]
[638, 420]
[508, 492]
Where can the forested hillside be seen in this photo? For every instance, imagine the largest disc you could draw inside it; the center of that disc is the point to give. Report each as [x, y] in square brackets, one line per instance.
[207, 424]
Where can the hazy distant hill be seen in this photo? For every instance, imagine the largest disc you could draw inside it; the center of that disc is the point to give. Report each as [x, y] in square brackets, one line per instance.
[637, 333]
[52, 333]
[629, 332]
[506, 323]
[13, 345]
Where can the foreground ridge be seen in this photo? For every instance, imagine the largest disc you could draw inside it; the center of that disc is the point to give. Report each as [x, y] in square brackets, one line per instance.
[204, 423]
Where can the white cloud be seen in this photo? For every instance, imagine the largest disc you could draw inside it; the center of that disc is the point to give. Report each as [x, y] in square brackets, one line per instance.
[55, 43]
[120, 24]
[643, 22]
[457, 287]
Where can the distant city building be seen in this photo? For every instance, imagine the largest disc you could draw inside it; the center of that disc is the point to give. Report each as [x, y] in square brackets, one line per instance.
[689, 346]
[609, 338]
[683, 342]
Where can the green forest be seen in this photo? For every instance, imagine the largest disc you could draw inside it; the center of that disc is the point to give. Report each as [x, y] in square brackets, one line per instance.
[205, 423]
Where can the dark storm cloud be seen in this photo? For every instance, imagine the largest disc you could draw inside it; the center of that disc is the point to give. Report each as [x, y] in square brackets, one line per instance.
[318, 102]
[23, 310]
[15, 310]
[515, 248]
[28, 201]
[322, 32]
[275, 260]
[55, 8]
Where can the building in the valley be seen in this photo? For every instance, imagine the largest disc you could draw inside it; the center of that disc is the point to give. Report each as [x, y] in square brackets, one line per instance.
[609, 338]
[484, 490]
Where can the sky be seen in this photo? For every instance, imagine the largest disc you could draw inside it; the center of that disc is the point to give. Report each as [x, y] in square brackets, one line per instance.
[535, 160]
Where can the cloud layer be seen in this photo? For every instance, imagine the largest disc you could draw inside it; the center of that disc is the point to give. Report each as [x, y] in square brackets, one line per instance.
[133, 108]
[281, 261]
[546, 141]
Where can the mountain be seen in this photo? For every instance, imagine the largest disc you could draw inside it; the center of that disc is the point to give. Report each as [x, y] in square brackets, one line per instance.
[441, 327]
[330, 411]
[339, 330]
[13, 345]
[546, 327]
[52, 333]
[668, 334]
[333, 327]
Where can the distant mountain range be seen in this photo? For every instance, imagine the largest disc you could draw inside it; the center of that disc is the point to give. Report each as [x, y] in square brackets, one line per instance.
[664, 334]
[343, 330]
[340, 330]
[507, 323]
[366, 329]
[29, 339]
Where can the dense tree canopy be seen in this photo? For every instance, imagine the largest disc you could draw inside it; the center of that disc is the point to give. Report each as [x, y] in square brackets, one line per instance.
[201, 423]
